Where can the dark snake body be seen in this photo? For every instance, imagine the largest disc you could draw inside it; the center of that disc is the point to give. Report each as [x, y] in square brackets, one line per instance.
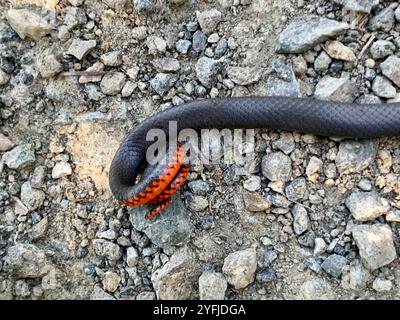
[306, 115]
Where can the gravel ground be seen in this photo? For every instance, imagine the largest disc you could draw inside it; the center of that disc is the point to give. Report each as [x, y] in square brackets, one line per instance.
[318, 218]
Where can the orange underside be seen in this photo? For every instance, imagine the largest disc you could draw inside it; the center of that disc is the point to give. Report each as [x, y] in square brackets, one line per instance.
[161, 189]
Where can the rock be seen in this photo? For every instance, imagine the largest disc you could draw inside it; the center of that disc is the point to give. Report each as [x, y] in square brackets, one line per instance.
[313, 167]
[19, 157]
[266, 275]
[336, 89]
[5, 143]
[146, 295]
[283, 82]
[212, 286]
[39, 229]
[299, 66]
[132, 257]
[355, 155]
[366, 206]
[208, 20]
[382, 285]
[397, 14]
[61, 169]
[112, 58]
[252, 183]
[156, 45]
[139, 33]
[391, 69]
[375, 243]
[111, 281]
[145, 5]
[112, 83]
[301, 222]
[100, 294]
[305, 32]
[364, 6]
[199, 187]
[393, 216]
[276, 166]
[255, 202]
[128, 89]
[339, 51]
[199, 41]
[319, 246]
[171, 228]
[31, 198]
[28, 24]
[183, 46]
[334, 265]
[368, 99]
[322, 62]
[383, 88]
[176, 279]
[244, 76]
[166, 64]
[74, 17]
[207, 70]
[117, 4]
[356, 278]
[381, 49]
[25, 261]
[307, 239]
[107, 249]
[221, 48]
[80, 48]
[285, 142]
[315, 289]
[198, 203]
[296, 190]
[49, 66]
[239, 268]
[163, 82]
[97, 67]
[4, 78]
[383, 21]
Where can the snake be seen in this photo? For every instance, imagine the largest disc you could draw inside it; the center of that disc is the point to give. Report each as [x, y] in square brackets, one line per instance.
[134, 182]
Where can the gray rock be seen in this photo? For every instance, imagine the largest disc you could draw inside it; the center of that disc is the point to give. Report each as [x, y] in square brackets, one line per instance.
[139, 33]
[364, 6]
[267, 257]
[198, 203]
[397, 14]
[383, 88]
[128, 89]
[255, 202]
[183, 46]
[382, 48]
[322, 62]
[382, 285]
[199, 187]
[370, 74]
[244, 76]
[31, 198]
[355, 155]
[283, 82]
[391, 69]
[170, 228]
[240, 267]
[112, 58]
[285, 142]
[356, 278]
[111, 281]
[177, 278]
[28, 24]
[61, 169]
[5, 143]
[307, 239]
[199, 41]
[107, 249]
[207, 70]
[334, 265]
[266, 275]
[39, 229]
[145, 5]
[368, 99]
[296, 190]
[252, 183]
[80, 48]
[383, 21]
[393, 216]
[25, 261]
[276, 166]
[132, 257]
[208, 20]
[166, 64]
[38, 176]
[366, 206]
[375, 243]
[146, 295]
[96, 67]
[74, 17]
[305, 32]
[212, 286]
[221, 48]
[49, 66]
[99, 294]
[115, 4]
[4, 78]
[163, 82]
[319, 246]
[301, 222]
[156, 45]
[112, 83]
[336, 89]
[19, 157]
[316, 289]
